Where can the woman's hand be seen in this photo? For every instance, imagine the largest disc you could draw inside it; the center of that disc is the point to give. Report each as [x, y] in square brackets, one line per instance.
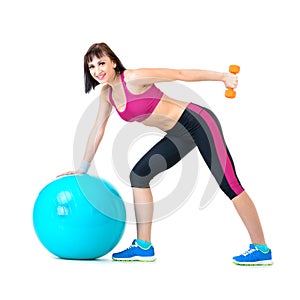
[230, 80]
[69, 173]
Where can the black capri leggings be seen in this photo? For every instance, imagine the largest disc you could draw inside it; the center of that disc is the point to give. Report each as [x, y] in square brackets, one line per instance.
[197, 126]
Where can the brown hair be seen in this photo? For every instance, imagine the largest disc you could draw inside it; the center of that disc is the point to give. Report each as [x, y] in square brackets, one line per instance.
[98, 50]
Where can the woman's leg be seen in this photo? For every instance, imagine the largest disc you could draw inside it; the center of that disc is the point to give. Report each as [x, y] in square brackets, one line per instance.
[247, 211]
[258, 253]
[209, 138]
[162, 156]
[143, 206]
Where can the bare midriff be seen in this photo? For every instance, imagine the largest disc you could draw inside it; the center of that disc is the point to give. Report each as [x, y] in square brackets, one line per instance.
[166, 113]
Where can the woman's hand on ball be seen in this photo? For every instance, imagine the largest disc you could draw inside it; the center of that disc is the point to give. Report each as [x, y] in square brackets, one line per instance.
[70, 173]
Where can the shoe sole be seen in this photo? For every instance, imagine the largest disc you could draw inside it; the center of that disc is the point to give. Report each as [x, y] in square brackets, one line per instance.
[136, 258]
[258, 263]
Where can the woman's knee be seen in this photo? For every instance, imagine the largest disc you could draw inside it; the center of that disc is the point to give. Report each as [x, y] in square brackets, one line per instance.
[138, 180]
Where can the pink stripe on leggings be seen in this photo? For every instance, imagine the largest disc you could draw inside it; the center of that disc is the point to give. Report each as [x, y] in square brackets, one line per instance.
[224, 159]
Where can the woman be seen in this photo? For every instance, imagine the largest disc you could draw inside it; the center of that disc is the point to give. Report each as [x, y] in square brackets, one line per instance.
[136, 98]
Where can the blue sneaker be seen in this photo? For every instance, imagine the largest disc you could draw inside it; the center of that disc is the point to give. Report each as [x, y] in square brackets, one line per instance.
[135, 253]
[254, 257]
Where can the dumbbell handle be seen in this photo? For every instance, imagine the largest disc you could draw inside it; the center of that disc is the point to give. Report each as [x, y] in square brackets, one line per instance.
[234, 69]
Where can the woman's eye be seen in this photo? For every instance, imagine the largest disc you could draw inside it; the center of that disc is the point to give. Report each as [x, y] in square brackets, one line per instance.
[91, 67]
[101, 63]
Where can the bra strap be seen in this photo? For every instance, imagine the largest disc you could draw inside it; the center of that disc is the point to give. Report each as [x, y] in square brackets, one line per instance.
[123, 79]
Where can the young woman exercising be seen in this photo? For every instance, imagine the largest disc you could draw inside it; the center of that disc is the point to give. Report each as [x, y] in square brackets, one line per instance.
[136, 98]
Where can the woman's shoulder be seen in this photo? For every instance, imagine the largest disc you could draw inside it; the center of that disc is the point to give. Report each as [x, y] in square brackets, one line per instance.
[104, 88]
[129, 74]
[104, 94]
[152, 75]
[135, 76]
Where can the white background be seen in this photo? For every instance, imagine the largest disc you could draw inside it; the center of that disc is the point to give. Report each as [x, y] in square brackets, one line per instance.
[42, 101]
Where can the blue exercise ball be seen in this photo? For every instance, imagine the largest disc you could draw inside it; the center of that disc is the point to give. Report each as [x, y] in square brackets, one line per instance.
[79, 217]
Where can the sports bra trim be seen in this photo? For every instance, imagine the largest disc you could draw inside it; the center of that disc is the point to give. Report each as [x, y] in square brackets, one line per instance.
[126, 91]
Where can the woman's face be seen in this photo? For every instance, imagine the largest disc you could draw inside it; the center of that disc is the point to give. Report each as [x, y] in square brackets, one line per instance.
[102, 69]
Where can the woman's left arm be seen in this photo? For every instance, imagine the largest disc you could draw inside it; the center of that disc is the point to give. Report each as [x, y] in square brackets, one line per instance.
[149, 76]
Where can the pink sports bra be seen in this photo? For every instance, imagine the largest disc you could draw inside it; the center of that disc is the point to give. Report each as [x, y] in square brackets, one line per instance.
[138, 106]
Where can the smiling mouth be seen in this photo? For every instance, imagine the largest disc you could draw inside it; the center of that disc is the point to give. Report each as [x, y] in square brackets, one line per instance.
[100, 77]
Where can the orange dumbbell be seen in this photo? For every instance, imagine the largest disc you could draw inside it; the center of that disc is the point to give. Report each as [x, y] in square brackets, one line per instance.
[234, 69]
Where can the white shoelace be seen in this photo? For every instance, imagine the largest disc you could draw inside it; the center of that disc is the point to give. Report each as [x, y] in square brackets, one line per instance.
[133, 246]
[248, 252]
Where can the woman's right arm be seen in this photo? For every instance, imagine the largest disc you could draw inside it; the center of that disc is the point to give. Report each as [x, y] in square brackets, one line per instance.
[96, 134]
